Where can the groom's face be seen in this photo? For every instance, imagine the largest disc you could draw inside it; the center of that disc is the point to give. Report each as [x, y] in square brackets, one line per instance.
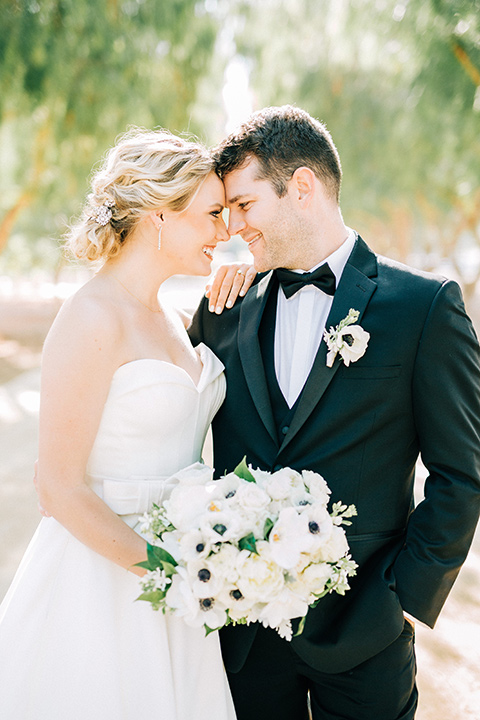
[262, 219]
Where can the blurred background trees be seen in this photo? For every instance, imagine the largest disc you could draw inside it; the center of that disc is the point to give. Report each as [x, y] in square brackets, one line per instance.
[396, 81]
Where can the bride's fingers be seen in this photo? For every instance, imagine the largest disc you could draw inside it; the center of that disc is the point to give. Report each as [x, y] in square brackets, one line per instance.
[230, 281]
[214, 285]
[243, 279]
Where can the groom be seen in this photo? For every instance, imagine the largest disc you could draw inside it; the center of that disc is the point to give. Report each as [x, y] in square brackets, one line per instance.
[415, 389]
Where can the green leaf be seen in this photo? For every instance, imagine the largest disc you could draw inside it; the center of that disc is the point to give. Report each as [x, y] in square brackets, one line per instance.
[243, 472]
[301, 625]
[169, 569]
[145, 564]
[319, 597]
[158, 556]
[267, 527]
[152, 596]
[209, 630]
[248, 543]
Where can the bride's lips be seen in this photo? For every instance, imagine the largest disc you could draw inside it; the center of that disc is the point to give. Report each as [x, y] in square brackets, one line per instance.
[208, 251]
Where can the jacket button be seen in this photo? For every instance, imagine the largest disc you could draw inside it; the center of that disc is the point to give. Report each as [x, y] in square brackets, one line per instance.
[285, 430]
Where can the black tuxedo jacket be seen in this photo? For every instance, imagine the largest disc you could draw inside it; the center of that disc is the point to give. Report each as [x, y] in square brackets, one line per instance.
[416, 390]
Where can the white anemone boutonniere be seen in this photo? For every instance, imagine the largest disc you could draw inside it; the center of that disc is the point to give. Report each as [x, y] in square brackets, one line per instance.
[348, 339]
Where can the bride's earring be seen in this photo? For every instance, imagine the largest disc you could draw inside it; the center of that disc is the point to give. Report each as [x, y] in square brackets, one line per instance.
[159, 237]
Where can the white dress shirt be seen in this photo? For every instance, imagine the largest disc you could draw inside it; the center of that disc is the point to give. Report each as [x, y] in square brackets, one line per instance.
[300, 324]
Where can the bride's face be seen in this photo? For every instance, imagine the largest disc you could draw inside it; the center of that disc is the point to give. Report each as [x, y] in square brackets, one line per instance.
[190, 237]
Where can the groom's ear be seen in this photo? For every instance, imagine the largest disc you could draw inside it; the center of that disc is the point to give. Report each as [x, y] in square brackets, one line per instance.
[303, 186]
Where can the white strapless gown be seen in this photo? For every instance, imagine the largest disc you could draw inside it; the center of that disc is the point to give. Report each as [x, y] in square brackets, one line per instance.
[74, 644]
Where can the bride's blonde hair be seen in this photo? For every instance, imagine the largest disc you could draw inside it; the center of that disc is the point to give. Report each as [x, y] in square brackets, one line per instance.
[144, 171]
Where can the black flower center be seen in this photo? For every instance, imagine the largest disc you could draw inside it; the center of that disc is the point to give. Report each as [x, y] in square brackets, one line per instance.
[313, 527]
[230, 494]
[200, 547]
[304, 502]
[220, 529]
[349, 339]
[236, 594]
[206, 604]
[204, 575]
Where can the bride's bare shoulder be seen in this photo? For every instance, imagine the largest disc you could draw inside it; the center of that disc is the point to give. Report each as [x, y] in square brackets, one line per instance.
[88, 321]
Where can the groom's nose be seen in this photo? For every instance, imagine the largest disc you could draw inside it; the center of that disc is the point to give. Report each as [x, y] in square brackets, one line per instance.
[236, 223]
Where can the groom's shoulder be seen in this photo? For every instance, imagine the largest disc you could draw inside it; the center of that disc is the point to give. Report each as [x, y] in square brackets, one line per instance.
[410, 279]
[408, 273]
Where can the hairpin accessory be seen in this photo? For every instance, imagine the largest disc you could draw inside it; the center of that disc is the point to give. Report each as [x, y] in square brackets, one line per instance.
[103, 214]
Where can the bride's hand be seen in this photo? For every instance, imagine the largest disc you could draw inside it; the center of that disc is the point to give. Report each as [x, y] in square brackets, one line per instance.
[229, 282]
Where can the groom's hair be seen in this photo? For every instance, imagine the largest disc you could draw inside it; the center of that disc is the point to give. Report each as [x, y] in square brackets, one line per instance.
[282, 139]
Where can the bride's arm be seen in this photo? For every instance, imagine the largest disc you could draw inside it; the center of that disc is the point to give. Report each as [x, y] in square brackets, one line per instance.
[81, 353]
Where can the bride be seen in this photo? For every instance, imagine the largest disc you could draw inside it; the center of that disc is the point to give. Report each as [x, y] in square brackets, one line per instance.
[126, 402]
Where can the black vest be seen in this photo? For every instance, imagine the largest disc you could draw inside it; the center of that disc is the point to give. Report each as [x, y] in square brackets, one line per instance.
[282, 414]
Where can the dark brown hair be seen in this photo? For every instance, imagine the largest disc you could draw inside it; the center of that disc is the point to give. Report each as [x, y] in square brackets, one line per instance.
[282, 139]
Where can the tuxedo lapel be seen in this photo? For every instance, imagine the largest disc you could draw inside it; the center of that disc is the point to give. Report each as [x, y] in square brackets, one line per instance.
[250, 354]
[354, 291]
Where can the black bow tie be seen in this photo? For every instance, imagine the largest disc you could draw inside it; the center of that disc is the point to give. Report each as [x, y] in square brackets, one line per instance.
[323, 278]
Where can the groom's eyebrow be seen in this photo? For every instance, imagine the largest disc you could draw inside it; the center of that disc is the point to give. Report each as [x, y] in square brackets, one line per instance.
[235, 199]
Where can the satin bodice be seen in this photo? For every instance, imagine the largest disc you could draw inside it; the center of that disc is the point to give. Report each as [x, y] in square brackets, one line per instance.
[154, 423]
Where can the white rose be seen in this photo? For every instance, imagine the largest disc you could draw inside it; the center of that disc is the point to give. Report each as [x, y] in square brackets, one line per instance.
[196, 474]
[333, 548]
[224, 562]
[185, 506]
[316, 486]
[281, 483]
[252, 498]
[314, 578]
[285, 606]
[260, 578]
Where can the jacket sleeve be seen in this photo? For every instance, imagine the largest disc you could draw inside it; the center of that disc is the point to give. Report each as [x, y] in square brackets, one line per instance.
[195, 329]
[446, 406]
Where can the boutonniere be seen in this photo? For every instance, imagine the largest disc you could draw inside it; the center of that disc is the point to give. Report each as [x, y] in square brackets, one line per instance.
[348, 339]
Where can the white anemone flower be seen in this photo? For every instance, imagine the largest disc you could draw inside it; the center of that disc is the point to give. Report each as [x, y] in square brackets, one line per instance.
[205, 579]
[222, 526]
[195, 611]
[194, 546]
[290, 537]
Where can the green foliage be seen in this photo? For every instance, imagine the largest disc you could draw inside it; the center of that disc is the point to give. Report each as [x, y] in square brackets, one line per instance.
[396, 82]
[242, 471]
[74, 75]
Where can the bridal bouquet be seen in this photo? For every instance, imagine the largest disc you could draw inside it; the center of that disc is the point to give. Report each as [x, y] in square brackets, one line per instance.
[252, 546]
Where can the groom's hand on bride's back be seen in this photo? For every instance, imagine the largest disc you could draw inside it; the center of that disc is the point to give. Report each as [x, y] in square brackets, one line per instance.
[229, 282]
